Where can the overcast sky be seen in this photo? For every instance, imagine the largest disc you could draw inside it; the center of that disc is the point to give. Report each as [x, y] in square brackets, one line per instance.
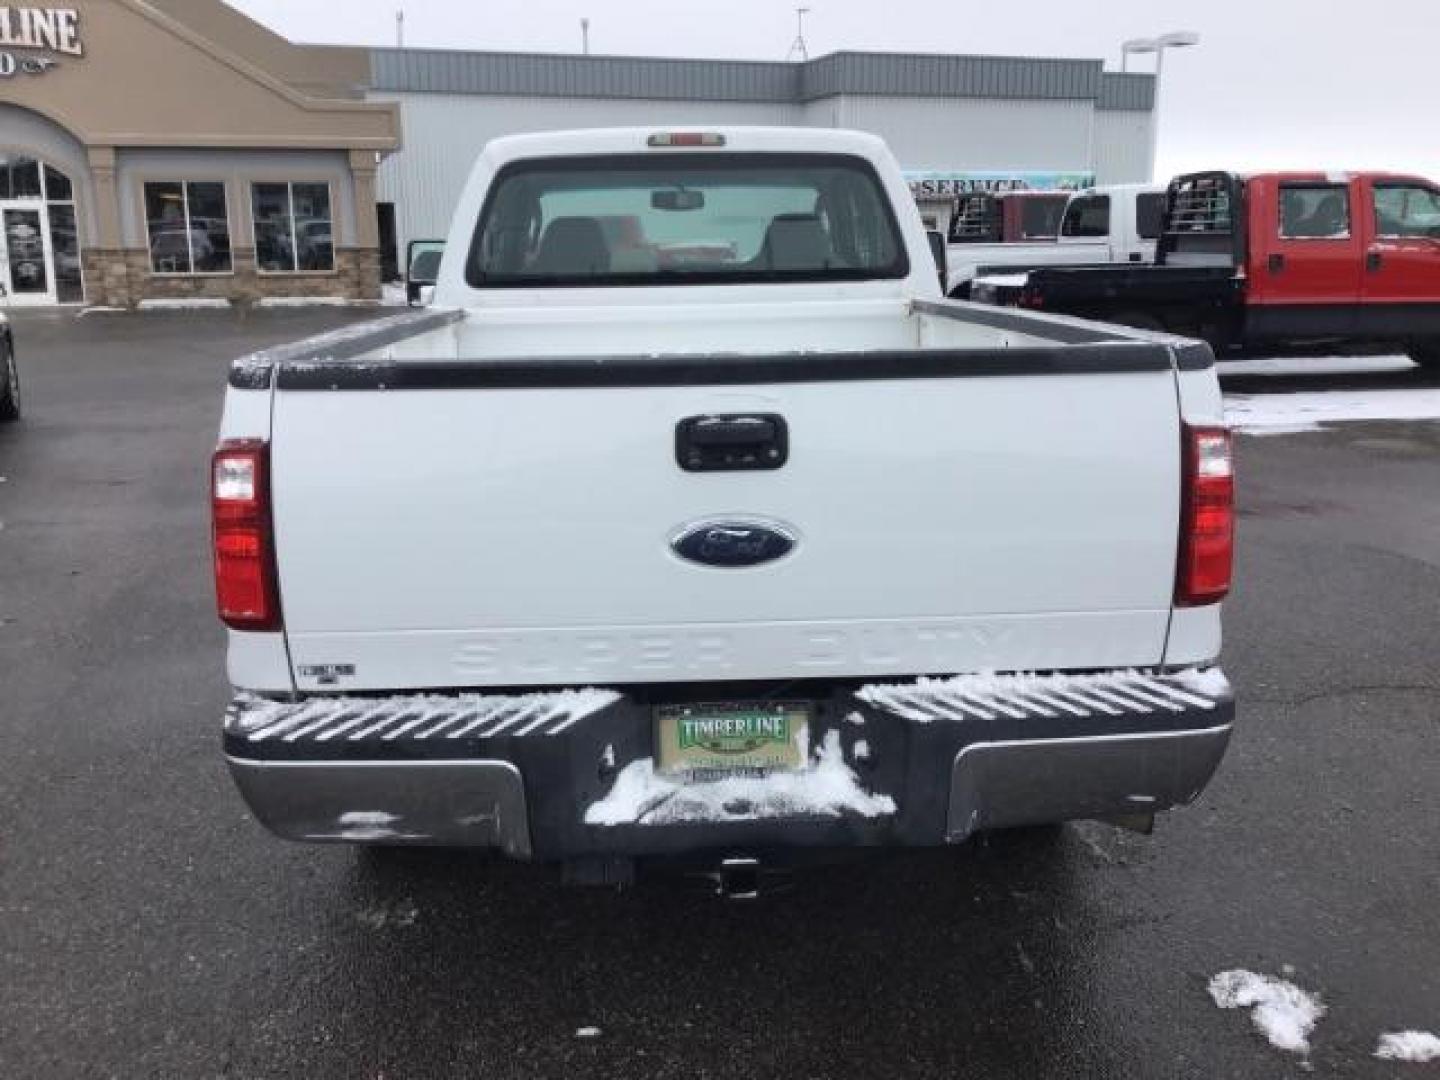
[1274, 83]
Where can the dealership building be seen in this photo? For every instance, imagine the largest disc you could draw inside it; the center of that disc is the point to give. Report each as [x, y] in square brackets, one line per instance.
[162, 150]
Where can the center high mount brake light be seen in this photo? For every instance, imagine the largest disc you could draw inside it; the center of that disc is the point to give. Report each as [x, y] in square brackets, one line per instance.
[686, 138]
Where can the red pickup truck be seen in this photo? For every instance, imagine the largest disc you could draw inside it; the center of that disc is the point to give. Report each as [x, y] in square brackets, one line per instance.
[1285, 262]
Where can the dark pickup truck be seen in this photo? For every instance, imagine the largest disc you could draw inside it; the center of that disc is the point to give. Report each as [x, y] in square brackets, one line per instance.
[1285, 262]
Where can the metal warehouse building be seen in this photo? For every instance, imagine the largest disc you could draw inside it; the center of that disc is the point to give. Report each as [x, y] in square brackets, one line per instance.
[162, 151]
[957, 123]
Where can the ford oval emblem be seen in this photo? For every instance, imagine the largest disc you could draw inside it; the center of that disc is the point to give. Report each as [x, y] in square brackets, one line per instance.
[733, 543]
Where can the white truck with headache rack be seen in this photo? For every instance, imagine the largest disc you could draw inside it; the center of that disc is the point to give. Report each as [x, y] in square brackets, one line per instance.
[693, 520]
[1119, 223]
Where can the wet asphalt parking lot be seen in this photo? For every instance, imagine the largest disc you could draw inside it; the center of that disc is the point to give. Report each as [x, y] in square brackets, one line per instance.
[149, 928]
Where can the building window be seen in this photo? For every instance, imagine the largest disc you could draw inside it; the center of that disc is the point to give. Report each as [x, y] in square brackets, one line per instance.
[189, 227]
[20, 178]
[293, 228]
[65, 246]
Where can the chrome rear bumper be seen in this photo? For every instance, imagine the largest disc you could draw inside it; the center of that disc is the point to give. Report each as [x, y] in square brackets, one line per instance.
[444, 803]
[1005, 784]
[518, 773]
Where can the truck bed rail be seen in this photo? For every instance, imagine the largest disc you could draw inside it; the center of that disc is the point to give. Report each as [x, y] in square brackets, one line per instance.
[255, 370]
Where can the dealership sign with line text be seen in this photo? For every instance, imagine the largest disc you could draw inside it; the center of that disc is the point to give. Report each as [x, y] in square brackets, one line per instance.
[48, 32]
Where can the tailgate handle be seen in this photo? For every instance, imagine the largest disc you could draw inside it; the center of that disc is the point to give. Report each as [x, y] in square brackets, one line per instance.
[732, 442]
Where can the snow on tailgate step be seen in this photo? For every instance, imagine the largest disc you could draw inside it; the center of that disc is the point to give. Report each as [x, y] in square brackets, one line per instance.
[988, 697]
[419, 717]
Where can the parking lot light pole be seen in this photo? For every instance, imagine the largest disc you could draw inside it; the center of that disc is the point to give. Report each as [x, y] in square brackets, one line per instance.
[1175, 39]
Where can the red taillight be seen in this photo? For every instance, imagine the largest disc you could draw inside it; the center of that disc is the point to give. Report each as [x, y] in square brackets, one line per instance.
[244, 554]
[1207, 517]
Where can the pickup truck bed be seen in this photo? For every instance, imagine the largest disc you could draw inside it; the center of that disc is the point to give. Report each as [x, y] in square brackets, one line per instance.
[1144, 284]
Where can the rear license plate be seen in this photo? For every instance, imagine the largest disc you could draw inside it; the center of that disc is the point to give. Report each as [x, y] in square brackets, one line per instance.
[706, 742]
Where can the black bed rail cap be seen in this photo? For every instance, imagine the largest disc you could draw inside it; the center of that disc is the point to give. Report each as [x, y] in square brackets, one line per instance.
[255, 370]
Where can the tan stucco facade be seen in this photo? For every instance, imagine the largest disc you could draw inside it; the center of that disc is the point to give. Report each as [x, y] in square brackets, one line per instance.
[177, 91]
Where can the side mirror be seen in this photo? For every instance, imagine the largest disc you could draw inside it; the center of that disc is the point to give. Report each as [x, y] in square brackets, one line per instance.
[422, 267]
[937, 252]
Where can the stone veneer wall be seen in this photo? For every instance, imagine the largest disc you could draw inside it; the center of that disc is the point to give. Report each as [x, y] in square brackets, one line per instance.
[123, 279]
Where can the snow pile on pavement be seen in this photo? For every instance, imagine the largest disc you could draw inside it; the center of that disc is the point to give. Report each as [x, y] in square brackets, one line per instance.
[194, 303]
[1283, 1012]
[1420, 1046]
[303, 301]
[826, 787]
[401, 913]
[1272, 413]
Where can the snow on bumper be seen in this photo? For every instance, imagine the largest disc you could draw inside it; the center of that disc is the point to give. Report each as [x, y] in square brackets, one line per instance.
[568, 774]
[826, 787]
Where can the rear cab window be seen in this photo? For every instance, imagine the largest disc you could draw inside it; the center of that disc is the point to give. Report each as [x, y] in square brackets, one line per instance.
[677, 219]
[1149, 214]
[1314, 211]
[1087, 216]
[977, 219]
[1040, 217]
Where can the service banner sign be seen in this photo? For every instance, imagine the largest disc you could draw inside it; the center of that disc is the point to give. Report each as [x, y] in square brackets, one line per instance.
[33, 38]
[938, 185]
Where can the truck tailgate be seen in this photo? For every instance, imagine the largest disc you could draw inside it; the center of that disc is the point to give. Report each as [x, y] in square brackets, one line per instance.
[449, 526]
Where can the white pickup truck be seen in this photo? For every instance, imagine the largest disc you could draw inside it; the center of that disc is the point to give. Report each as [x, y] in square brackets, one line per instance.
[1117, 223]
[693, 520]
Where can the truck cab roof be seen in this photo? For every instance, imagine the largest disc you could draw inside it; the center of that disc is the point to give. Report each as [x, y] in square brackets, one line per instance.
[584, 142]
[1118, 189]
[1318, 176]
